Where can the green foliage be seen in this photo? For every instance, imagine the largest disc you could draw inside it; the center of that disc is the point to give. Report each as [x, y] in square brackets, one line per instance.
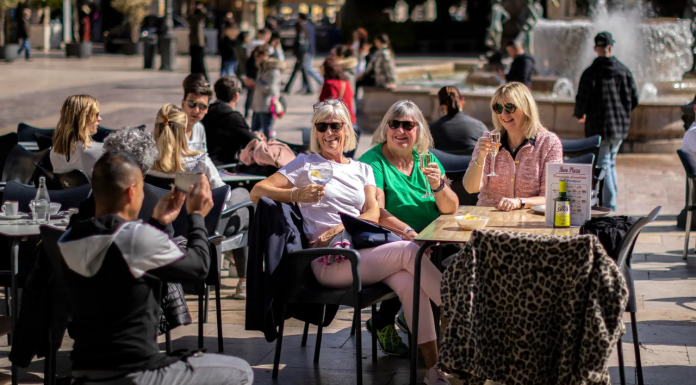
[136, 10]
[52, 4]
[8, 4]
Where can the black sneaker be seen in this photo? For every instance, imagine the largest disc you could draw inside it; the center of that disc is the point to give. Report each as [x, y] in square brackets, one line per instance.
[389, 340]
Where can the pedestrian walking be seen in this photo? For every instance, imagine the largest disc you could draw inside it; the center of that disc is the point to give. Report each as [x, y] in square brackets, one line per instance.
[197, 40]
[227, 50]
[301, 50]
[25, 34]
[606, 96]
[266, 91]
[381, 69]
[312, 39]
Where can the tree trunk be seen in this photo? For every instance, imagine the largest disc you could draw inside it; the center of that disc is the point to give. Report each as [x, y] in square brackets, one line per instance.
[76, 22]
[135, 31]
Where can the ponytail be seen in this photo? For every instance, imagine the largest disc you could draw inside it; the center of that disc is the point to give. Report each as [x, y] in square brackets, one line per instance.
[170, 137]
[451, 98]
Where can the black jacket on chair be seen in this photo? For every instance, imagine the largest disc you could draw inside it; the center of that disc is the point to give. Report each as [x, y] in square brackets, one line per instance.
[275, 232]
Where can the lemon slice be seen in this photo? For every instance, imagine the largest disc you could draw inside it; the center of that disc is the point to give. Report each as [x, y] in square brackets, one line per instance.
[315, 174]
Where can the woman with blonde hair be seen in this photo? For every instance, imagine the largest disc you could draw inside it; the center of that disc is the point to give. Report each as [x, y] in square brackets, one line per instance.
[73, 147]
[174, 154]
[352, 190]
[525, 148]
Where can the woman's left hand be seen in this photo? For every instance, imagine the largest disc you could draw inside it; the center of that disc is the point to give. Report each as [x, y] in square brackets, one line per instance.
[434, 175]
[509, 204]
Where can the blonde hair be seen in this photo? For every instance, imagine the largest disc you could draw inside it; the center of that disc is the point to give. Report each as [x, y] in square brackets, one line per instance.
[326, 112]
[519, 95]
[77, 113]
[170, 137]
[401, 109]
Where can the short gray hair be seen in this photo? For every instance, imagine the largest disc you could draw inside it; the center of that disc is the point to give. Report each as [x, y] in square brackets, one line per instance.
[399, 110]
[136, 142]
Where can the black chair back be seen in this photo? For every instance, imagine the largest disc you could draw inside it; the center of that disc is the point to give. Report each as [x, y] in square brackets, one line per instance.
[24, 194]
[56, 181]
[19, 165]
[161, 182]
[152, 195]
[582, 159]
[43, 141]
[576, 147]
[455, 167]
[212, 220]
[685, 162]
[629, 241]
[7, 143]
[26, 132]
[102, 133]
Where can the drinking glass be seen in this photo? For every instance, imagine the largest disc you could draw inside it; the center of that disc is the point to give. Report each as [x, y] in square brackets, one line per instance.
[321, 174]
[40, 210]
[494, 136]
[424, 159]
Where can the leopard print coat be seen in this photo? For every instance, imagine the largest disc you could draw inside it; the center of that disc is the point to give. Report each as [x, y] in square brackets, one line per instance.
[531, 309]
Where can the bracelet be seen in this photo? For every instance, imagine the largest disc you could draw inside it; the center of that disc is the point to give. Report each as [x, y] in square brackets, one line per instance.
[476, 163]
[292, 191]
[406, 230]
[442, 186]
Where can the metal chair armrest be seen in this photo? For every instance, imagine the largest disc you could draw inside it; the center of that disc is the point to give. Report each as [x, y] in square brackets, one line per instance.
[226, 166]
[231, 210]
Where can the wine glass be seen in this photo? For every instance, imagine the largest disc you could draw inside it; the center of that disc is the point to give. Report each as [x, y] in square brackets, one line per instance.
[424, 159]
[494, 136]
[321, 174]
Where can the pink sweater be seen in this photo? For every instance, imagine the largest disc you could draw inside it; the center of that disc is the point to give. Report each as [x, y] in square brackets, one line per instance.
[522, 177]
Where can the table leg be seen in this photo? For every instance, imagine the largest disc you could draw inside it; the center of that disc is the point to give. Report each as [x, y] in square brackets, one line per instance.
[416, 309]
[14, 303]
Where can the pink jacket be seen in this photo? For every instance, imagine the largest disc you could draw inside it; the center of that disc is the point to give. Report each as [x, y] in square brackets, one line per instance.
[522, 177]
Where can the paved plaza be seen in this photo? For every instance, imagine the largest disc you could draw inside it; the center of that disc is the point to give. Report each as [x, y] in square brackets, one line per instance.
[129, 96]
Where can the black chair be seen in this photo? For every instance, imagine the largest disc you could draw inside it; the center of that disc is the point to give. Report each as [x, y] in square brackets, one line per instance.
[7, 143]
[161, 182]
[56, 181]
[455, 166]
[26, 132]
[102, 133]
[43, 141]
[573, 148]
[623, 261]
[690, 178]
[582, 159]
[67, 198]
[299, 286]
[19, 166]
[297, 148]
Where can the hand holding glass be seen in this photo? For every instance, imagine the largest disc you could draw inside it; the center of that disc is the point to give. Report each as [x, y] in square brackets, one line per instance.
[321, 174]
[494, 136]
[424, 159]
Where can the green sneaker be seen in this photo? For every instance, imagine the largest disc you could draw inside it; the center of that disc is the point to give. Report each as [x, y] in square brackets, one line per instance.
[401, 323]
[389, 340]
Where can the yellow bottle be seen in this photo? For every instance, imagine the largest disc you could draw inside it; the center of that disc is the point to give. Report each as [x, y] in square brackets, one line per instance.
[561, 207]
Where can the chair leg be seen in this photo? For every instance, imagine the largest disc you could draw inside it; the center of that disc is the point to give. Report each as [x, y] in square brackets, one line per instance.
[619, 351]
[374, 334]
[9, 312]
[201, 321]
[218, 313]
[304, 334]
[636, 348]
[355, 320]
[358, 344]
[206, 307]
[689, 202]
[279, 344]
[168, 341]
[317, 348]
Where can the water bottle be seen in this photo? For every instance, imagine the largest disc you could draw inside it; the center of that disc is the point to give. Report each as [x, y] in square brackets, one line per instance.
[41, 203]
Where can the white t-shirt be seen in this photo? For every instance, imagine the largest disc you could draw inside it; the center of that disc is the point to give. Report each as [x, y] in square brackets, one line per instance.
[83, 158]
[689, 145]
[345, 192]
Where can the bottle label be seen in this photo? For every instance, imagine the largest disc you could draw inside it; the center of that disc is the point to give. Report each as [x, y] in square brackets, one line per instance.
[562, 214]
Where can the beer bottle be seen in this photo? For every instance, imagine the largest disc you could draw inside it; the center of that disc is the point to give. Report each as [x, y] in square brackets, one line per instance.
[561, 207]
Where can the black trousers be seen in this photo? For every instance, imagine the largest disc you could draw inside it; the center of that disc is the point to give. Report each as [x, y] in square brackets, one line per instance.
[198, 60]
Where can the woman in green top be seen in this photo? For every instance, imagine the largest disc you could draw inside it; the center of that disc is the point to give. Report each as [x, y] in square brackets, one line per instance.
[402, 187]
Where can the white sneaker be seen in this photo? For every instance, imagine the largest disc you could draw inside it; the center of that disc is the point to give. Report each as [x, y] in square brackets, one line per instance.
[241, 290]
[435, 376]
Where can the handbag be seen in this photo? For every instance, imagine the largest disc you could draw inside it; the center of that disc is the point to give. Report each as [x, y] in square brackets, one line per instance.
[366, 234]
[277, 108]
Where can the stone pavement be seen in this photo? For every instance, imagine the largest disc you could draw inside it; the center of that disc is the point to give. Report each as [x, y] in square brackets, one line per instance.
[33, 92]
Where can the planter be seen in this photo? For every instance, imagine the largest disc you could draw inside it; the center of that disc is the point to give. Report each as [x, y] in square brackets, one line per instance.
[133, 48]
[9, 52]
[82, 50]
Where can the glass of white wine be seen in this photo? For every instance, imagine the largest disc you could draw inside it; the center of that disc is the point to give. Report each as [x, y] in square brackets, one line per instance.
[494, 136]
[321, 174]
[424, 159]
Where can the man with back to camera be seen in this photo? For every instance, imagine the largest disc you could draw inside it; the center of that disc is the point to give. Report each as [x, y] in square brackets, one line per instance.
[522, 65]
[112, 262]
[606, 96]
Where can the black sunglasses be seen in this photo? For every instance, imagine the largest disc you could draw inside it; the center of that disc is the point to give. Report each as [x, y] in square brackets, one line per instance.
[335, 127]
[406, 125]
[509, 107]
[201, 106]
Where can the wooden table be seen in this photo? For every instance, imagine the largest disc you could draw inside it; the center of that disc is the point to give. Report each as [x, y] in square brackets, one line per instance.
[16, 230]
[446, 230]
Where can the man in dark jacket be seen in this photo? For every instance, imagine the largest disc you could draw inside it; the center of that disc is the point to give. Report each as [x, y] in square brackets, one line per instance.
[226, 130]
[197, 40]
[24, 32]
[522, 65]
[112, 262]
[606, 96]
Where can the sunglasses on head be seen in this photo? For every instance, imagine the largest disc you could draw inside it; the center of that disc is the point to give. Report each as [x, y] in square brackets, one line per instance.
[329, 102]
[201, 106]
[509, 107]
[335, 127]
[406, 125]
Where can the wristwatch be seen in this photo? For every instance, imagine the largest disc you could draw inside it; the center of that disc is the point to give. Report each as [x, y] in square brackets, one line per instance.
[442, 185]
[522, 202]
[406, 230]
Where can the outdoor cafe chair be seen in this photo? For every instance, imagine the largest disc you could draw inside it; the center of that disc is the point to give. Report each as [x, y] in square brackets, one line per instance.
[26, 132]
[455, 167]
[690, 178]
[623, 261]
[60, 181]
[43, 141]
[7, 143]
[19, 165]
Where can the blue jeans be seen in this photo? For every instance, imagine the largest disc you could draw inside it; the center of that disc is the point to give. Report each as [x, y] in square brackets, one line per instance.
[228, 67]
[301, 67]
[607, 161]
[26, 47]
[311, 72]
[263, 122]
